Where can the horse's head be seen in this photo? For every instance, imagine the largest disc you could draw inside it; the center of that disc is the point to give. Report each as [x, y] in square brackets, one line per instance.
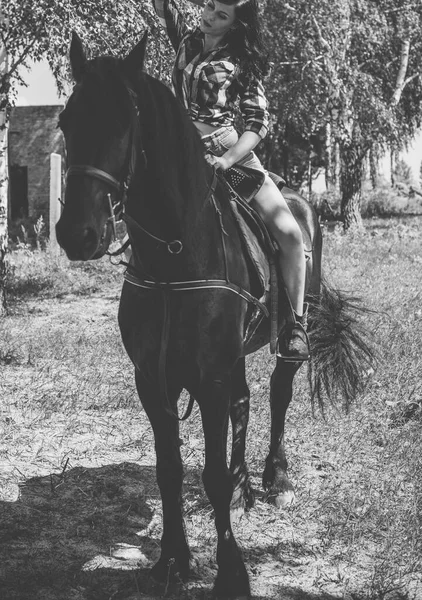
[99, 124]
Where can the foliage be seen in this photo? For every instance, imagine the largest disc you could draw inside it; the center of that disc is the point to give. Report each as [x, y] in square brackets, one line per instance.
[43, 29]
[351, 69]
[346, 62]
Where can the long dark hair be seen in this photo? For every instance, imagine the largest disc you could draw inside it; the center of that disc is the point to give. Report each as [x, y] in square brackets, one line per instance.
[245, 39]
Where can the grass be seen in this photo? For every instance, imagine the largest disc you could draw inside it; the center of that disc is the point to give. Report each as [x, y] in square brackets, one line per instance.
[42, 273]
[69, 403]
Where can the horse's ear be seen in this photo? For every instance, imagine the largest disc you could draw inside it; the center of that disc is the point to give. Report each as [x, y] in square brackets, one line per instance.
[134, 61]
[77, 57]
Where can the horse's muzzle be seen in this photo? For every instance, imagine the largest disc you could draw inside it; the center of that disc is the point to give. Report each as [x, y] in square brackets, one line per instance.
[82, 242]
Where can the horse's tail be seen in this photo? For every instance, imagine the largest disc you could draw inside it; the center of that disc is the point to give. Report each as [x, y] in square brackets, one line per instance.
[342, 353]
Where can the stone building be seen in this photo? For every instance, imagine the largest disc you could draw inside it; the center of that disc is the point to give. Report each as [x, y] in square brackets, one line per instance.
[33, 136]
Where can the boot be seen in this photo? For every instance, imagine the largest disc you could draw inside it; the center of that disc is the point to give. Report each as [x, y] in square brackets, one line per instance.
[293, 341]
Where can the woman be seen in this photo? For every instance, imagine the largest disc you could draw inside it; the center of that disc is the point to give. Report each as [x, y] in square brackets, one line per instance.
[216, 65]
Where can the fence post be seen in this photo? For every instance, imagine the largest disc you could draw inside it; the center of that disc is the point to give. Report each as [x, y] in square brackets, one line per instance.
[55, 194]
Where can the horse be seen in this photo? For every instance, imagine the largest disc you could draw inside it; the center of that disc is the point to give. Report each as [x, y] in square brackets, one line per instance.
[187, 297]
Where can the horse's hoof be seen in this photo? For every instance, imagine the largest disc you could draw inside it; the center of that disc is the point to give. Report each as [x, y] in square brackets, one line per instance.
[285, 499]
[233, 585]
[281, 500]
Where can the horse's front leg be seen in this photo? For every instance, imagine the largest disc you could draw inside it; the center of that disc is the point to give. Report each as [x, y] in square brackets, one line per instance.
[275, 480]
[174, 560]
[243, 497]
[214, 400]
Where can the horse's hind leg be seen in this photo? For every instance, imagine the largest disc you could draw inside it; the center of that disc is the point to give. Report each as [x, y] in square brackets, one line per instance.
[275, 479]
[243, 497]
[214, 398]
[174, 560]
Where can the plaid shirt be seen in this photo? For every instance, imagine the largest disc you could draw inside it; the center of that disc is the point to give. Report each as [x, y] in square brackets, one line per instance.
[207, 83]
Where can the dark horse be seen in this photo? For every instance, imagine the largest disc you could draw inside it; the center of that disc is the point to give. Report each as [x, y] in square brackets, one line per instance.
[185, 306]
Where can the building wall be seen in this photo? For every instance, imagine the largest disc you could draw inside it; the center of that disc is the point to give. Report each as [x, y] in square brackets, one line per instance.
[33, 136]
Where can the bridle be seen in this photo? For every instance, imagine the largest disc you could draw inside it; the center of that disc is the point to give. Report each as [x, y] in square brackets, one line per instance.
[116, 206]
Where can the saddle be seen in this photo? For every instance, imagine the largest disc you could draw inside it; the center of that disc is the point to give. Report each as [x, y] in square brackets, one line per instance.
[261, 251]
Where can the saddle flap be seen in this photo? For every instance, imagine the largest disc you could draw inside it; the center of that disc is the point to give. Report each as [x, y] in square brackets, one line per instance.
[252, 241]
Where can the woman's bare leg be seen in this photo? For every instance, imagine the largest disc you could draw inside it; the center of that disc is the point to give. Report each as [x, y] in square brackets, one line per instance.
[293, 343]
[275, 213]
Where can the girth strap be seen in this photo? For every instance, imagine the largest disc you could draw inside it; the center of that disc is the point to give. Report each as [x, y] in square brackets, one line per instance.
[198, 284]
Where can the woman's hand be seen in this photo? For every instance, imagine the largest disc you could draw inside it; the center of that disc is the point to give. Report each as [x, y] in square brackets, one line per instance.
[219, 162]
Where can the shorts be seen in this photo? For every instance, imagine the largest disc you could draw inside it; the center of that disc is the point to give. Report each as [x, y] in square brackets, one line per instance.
[222, 139]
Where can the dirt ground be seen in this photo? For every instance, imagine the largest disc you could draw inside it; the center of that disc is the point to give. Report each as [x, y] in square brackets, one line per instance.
[89, 528]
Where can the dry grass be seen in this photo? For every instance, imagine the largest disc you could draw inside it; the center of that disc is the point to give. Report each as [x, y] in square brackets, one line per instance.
[70, 416]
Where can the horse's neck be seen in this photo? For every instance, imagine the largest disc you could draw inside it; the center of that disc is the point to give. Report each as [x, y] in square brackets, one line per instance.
[171, 197]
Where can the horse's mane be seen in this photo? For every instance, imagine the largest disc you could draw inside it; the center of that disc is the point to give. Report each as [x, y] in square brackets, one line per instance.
[177, 141]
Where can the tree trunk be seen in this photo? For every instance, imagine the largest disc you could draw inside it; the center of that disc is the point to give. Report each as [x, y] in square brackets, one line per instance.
[329, 164]
[351, 188]
[3, 210]
[4, 177]
[373, 167]
[392, 167]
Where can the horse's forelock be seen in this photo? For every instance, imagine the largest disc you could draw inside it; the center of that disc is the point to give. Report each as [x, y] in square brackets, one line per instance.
[102, 90]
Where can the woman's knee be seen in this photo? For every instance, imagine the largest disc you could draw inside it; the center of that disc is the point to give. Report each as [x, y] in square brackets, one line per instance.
[276, 214]
[290, 234]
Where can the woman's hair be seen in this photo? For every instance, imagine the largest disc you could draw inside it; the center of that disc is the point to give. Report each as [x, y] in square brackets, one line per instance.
[245, 39]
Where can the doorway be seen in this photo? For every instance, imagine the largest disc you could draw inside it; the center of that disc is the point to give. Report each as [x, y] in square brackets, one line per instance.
[18, 181]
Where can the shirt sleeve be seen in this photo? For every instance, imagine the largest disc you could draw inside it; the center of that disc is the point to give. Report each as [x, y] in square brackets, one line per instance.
[172, 20]
[254, 108]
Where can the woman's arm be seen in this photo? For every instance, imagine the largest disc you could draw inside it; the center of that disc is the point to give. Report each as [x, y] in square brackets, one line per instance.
[247, 142]
[172, 19]
[253, 106]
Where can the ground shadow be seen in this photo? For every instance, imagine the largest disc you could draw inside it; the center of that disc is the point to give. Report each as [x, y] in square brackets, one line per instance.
[60, 523]
[89, 535]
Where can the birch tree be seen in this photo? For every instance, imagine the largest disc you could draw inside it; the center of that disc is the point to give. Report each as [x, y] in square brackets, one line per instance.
[352, 67]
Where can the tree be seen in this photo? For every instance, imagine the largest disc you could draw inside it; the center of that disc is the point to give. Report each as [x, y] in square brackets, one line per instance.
[4, 67]
[353, 67]
[34, 30]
